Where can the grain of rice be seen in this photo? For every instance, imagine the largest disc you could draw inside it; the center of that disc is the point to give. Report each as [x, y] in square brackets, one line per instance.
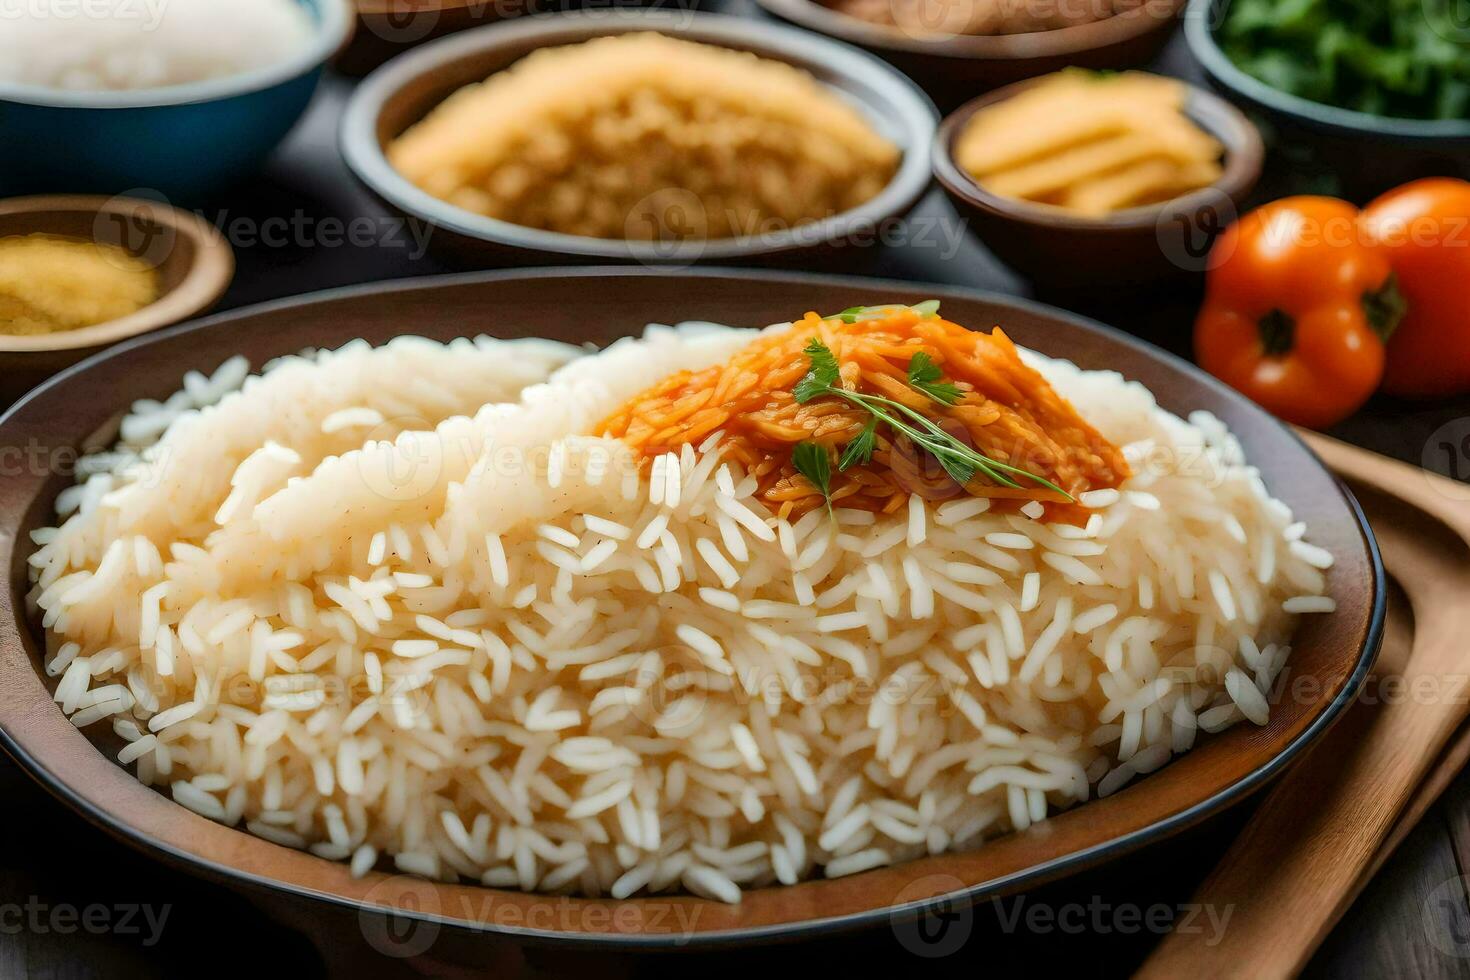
[1010, 540]
[1143, 501]
[349, 418]
[1247, 697]
[1302, 604]
[709, 883]
[1098, 499]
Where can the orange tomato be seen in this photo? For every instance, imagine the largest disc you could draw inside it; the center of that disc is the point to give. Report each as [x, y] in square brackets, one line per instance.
[1295, 305]
[1424, 230]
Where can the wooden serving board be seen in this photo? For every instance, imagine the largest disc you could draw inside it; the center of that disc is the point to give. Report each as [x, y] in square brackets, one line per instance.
[1334, 819]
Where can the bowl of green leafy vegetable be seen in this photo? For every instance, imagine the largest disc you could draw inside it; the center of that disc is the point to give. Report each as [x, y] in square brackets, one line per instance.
[1370, 92]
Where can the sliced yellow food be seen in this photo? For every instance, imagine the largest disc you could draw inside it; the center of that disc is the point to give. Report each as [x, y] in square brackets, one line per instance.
[1091, 144]
[1059, 112]
[1147, 182]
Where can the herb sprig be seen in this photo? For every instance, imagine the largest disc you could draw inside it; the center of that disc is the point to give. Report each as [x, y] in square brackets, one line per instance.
[960, 461]
[860, 450]
[810, 460]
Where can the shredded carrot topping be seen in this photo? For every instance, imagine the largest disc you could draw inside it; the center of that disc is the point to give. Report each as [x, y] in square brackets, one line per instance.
[1004, 410]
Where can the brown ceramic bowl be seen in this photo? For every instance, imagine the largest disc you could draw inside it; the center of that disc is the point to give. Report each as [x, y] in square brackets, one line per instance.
[1057, 249]
[193, 260]
[82, 407]
[389, 27]
[956, 67]
[402, 92]
[386, 28]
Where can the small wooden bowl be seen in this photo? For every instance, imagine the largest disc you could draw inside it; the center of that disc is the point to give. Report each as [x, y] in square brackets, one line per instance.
[1059, 249]
[193, 260]
[954, 67]
[1330, 656]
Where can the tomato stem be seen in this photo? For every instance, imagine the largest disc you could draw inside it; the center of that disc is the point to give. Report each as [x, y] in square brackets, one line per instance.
[1278, 333]
[1385, 307]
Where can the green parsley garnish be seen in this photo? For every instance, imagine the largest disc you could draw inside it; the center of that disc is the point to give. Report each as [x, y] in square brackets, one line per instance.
[959, 460]
[860, 450]
[1400, 58]
[924, 377]
[823, 374]
[811, 461]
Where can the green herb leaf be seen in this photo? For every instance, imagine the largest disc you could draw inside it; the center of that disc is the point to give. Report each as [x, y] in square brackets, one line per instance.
[922, 369]
[860, 450]
[940, 443]
[811, 461]
[959, 460]
[822, 375]
[959, 470]
[1398, 58]
[924, 377]
[849, 315]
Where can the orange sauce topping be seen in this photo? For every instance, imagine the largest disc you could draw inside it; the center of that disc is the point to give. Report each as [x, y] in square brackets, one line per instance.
[1006, 410]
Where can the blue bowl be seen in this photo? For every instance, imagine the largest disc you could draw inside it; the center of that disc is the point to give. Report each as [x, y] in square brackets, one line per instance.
[183, 141]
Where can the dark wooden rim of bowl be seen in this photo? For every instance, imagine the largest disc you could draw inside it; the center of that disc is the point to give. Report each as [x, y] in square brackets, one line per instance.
[415, 8]
[1334, 651]
[210, 270]
[1244, 154]
[1200, 21]
[895, 106]
[1148, 16]
[331, 35]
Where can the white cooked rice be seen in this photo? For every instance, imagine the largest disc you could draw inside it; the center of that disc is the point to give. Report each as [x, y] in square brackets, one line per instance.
[122, 45]
[354, 610]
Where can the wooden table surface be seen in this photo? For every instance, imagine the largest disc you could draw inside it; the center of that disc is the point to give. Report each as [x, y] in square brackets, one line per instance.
[75, 903]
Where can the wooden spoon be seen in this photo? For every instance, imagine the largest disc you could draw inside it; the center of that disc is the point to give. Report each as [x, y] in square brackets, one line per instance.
[1302, 857]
